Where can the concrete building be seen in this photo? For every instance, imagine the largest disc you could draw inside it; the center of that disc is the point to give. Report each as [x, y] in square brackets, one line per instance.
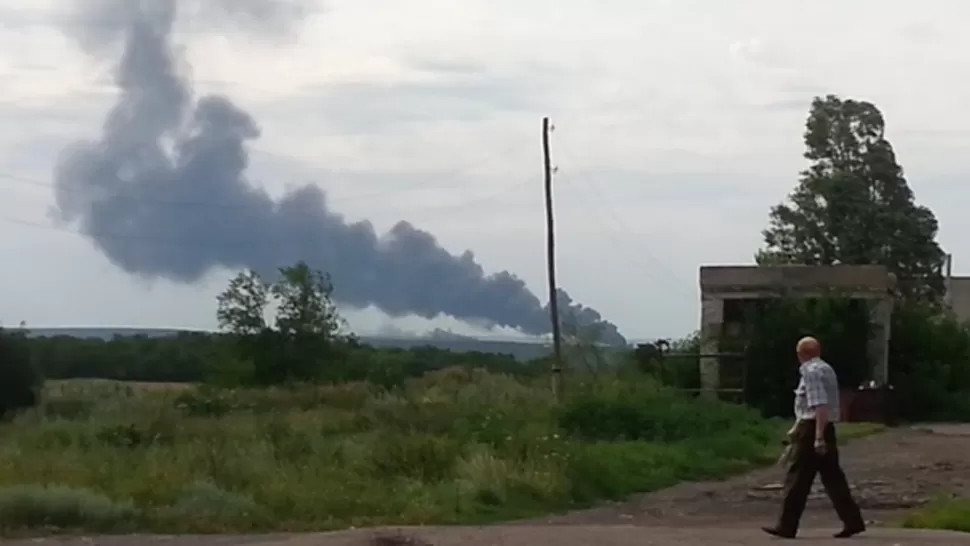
[722, 286]
[958, 297]
[957, 292]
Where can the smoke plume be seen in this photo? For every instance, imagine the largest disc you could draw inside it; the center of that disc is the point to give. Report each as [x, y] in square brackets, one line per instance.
[163, 191]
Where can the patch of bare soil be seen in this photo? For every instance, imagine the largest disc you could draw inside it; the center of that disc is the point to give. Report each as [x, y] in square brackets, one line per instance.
[890, 474]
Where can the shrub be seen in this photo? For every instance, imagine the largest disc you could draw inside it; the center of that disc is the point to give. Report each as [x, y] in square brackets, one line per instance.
[632, 413]
[458, 445]
[68, 408]
[204, 506]
[673, 363]
[929, 365]
[32, 506]
[416, 455]
[489, 484]
[773, 329]
[615, 470]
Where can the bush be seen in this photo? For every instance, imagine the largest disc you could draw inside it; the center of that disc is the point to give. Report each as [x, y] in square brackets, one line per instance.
[32, 506]
[773, 329]
[457, 445]
[929, 365]
[616, 470]
[420, 456]
[929, 353]
[675, 364]
[629, 411]
[19, 379]
[205, 506]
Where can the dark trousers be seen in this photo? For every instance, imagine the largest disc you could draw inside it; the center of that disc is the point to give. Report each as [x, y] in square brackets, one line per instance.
[805, 464]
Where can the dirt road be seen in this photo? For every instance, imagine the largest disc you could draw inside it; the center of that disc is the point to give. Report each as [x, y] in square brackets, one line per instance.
[891, 473]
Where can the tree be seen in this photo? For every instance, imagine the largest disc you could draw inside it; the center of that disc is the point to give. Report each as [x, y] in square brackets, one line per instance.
[307, 326]
[307, 322]
[305, 304]
[19, 379]
[853, 204]
[242, 306]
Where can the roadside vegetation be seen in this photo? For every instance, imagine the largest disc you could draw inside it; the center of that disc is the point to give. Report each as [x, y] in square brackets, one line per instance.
[454, 446]
[286, 421]
[949, 515]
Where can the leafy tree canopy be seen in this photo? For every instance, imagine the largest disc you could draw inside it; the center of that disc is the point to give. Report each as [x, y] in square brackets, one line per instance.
[853, 204]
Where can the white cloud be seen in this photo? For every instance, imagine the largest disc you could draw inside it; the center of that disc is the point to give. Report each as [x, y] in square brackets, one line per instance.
[678, 124]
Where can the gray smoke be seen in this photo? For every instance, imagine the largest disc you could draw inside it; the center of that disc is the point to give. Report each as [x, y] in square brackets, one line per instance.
[163, 192]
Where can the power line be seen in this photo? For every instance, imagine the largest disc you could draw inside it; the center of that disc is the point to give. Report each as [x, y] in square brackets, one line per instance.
[656, 265]
[642, 261]
[162, 239]
[418, 185]
[22, 180]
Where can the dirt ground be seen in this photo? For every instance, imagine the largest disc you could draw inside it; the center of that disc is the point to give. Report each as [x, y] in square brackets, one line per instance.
[891, 473]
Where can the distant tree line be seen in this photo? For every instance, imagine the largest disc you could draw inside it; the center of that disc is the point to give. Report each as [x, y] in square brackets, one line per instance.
[304, 342]
[189, 357]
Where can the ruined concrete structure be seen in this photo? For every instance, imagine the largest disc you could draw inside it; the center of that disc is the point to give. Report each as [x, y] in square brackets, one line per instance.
[720, 284]
[958, 297]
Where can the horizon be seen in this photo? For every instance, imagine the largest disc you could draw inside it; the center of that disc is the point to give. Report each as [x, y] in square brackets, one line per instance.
[388, 336]
[342, 120]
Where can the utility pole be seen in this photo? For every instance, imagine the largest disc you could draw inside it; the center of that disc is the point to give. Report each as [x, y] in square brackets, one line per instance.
[557, 380]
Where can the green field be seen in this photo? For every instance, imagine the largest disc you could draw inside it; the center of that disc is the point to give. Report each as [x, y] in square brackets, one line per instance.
[454, 446]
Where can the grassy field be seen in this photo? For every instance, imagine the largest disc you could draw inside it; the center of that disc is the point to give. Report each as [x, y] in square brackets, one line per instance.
[949, 515]
[454, 447]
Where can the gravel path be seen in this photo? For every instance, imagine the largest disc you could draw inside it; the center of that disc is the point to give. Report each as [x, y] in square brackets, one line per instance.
[891, 474]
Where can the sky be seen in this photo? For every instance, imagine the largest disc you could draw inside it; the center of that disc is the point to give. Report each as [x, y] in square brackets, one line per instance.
[677, 125]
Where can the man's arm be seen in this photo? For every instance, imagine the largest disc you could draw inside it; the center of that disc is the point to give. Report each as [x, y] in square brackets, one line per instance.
[821, 420]
[817, 399]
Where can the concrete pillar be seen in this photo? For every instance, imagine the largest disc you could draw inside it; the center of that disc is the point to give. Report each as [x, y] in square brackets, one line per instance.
[880, 316]
[712, 318]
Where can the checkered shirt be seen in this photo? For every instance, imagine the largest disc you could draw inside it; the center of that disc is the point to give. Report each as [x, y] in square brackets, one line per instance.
[819, 386]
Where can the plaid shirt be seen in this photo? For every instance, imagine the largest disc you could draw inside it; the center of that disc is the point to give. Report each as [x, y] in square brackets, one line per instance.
[819, 386]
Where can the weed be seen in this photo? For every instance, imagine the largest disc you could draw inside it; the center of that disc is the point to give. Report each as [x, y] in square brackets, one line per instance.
[949, 515]
[61, 507]
[458, 445]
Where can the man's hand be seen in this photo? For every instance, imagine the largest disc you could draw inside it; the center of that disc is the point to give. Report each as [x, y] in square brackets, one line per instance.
[821, 422]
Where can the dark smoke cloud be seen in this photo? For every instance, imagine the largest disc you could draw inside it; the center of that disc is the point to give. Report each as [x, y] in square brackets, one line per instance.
[163, 192]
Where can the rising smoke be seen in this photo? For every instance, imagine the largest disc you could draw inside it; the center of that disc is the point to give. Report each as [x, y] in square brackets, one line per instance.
[163, 192]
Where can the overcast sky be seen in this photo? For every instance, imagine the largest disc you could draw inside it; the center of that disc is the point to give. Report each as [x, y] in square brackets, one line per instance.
[678, 124]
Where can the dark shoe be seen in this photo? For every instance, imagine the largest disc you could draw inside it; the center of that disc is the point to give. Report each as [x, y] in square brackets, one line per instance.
[778, 532]
[850, 532]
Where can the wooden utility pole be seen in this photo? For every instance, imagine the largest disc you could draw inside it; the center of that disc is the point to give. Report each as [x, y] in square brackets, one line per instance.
[557, 386]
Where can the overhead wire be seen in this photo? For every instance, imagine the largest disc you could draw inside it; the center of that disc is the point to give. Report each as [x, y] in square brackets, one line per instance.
[436, 212]
[652, 265]
[389, 191]
[424, 184]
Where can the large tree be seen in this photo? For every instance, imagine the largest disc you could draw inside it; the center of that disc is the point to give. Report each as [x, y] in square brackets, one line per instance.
[853, 205]
[307, 332]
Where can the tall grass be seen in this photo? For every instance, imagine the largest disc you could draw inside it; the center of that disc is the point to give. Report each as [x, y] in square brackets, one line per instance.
[454, 446]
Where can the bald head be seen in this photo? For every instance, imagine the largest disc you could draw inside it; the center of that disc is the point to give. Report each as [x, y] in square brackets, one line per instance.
[808, 348]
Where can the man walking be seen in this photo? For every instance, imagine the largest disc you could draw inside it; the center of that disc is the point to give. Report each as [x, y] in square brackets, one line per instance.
[814, 447]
